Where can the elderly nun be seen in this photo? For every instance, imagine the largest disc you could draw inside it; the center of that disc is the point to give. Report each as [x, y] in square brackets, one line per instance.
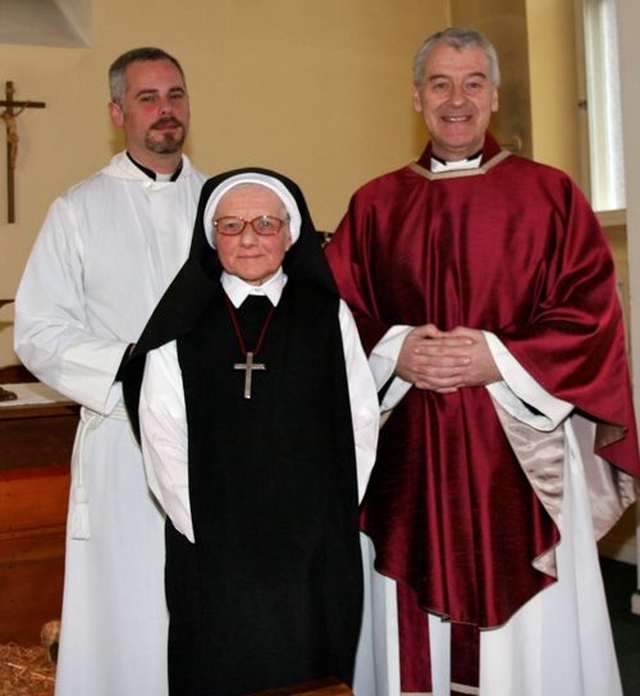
[258, 417]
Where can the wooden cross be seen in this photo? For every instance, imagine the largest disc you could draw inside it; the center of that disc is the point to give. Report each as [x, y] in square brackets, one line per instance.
[249, 366]
[9, 116]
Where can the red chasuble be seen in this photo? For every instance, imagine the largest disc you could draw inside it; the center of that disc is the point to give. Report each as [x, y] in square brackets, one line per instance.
[513, 248]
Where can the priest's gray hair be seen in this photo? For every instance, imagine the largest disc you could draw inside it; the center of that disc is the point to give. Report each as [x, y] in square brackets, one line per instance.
[117, 79]
[459, 38]
[259, 179]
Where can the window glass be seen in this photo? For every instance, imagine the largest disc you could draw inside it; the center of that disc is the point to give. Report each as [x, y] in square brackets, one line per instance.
[603, 103]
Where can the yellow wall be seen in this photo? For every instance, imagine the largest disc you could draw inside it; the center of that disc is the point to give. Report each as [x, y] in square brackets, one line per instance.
[553, 75]
[319, 90]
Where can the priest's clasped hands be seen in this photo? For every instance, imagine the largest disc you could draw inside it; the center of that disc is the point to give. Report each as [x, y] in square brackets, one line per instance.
[445, 361]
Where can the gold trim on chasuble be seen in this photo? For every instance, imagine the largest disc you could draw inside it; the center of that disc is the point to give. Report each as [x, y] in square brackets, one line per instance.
[475, 171]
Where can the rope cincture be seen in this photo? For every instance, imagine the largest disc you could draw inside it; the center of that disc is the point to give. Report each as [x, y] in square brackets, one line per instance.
[79, 523]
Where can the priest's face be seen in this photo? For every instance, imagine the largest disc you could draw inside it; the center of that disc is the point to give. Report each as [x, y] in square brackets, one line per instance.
[456, 99]
[154, 114]
[251, 256]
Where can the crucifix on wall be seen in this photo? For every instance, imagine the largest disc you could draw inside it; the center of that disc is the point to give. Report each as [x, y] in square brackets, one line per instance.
[12, 109]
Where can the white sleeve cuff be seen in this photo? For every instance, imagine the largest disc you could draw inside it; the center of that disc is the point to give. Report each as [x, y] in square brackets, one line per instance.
[382, 362]
[520, 395]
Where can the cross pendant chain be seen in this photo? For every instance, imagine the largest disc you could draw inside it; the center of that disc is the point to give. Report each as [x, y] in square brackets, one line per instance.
[248, 366]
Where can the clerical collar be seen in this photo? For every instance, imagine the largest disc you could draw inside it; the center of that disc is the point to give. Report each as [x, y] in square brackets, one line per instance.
[238, 290]
[440, 165]
[155, 175]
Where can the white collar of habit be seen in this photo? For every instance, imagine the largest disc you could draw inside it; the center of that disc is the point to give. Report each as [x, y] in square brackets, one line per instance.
[238, 290]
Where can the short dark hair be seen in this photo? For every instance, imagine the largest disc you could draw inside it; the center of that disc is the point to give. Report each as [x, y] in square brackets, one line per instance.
[117, 83]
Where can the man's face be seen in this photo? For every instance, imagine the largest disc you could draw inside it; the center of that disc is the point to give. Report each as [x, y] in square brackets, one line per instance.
[155, 111]
[456, 99]
[253, 257]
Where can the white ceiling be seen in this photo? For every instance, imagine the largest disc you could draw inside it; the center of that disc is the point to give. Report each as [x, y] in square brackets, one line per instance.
[45, 22]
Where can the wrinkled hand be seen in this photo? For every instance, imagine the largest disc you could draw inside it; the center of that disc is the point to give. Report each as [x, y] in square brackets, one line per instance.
[445, 361]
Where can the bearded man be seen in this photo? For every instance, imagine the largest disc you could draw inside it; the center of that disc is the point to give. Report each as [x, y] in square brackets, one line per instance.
[106, 252]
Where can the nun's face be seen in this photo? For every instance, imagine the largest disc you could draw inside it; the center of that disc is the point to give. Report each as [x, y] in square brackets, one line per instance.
[251, 256]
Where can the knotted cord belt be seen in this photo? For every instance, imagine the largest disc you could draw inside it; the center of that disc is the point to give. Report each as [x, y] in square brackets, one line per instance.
[89, 420]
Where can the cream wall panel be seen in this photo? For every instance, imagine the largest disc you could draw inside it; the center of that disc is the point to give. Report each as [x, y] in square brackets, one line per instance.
[504, 23]
[629, 26]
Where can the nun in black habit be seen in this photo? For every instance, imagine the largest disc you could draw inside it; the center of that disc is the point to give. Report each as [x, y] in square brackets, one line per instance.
[258, 419]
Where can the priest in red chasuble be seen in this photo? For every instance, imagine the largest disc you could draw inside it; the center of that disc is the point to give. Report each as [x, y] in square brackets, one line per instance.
[485, 296]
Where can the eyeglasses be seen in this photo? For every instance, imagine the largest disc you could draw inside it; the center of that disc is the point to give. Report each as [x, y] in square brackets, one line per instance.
[265, 225]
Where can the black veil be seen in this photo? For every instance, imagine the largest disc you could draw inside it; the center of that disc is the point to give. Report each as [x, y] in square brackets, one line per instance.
[191, 291]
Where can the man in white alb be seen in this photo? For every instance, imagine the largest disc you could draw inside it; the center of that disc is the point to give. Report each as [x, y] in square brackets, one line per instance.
[106, 252]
